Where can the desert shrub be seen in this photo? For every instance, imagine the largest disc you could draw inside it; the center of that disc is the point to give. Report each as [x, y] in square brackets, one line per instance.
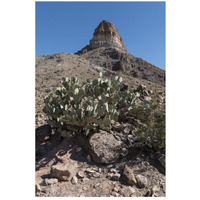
[152, 129]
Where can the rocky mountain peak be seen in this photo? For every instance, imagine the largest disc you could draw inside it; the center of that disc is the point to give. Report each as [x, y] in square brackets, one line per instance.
[105, 35]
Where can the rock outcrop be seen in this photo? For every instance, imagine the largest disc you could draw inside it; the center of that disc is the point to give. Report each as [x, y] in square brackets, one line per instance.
[105, 35]
[105, 148]
[106, 49]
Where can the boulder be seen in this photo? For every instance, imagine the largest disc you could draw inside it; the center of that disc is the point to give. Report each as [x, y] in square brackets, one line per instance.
[104, 148]
[64, 171]
[129, 176]
[141, 181]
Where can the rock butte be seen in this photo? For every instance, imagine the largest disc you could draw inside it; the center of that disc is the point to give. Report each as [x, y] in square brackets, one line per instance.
[105, 35]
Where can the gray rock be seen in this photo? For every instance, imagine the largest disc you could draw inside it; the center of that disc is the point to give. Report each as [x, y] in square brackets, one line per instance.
[104, 148]
[80, 174]
[147, 98]
[127, 128]
[64, 171]
[117, 127]
[131, 190]
[50, 181]
[155, 188]
[74, 180]
[129, 176]
[141, 181]
[141, 88]
[88, 170]
[116, 177]
[85, 179]
[100, 170]
[113, 170]
[116, 188]
[145, 92]
[96, 185]
[96, 175]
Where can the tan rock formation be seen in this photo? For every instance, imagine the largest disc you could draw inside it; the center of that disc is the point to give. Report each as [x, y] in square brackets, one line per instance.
[106, 35]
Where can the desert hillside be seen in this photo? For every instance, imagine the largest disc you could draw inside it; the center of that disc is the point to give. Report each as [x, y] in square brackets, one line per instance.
[110, 161]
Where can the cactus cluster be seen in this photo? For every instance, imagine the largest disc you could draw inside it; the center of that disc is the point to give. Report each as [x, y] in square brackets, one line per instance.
[84, 107]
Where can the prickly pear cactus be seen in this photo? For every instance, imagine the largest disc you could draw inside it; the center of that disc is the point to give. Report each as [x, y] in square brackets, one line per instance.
[84, 107]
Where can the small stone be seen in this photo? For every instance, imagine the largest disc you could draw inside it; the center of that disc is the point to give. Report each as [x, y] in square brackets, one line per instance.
[116, 177]
[128, 176]
[88, 170]
[85, 179]
[141, 181]
[147, 98]
[141, 88]
[100, 170]
[127, 129]
[116, 189]
[96, 175]
[109, 175]
[110, 166]
[64, 171]
[96, 185]
[145, 92]
[132, 190]
[112, 170]
[80, 174]
[50, 181]
[155, 188]
[74, 180]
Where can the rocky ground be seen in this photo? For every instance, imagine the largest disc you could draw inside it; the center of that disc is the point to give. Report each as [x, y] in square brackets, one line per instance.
[87, 178]
[66, 168]
[120, 61]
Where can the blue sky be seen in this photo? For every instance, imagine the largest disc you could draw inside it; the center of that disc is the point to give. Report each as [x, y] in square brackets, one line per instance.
[68, 26]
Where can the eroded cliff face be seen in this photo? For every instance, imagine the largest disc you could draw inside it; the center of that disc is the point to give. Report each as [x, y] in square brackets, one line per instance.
[106, 35]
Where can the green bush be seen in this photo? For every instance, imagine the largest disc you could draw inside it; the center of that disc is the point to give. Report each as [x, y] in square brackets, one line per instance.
[152, 130]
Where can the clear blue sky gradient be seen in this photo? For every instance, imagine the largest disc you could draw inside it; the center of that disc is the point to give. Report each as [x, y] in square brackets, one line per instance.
[68, 26]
